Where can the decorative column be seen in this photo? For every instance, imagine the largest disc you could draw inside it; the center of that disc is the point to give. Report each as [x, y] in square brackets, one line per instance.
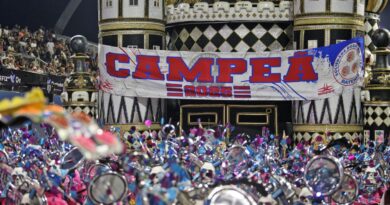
[80, 93]
[371, 20]
[375, 105]
[136, 25]
[371, 24]
[322, 23]
[377, 90]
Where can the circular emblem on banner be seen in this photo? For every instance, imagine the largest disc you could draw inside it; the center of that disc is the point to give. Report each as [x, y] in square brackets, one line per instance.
[347, 66]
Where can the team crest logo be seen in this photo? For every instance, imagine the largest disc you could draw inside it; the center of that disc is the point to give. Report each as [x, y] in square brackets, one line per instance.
[348, 64]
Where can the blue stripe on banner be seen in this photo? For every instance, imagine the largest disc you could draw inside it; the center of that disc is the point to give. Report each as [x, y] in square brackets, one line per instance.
[278, 92]
[284, 90]
[295, 91]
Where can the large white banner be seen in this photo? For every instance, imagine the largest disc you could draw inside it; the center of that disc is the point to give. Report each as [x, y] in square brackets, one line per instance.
[282, 75]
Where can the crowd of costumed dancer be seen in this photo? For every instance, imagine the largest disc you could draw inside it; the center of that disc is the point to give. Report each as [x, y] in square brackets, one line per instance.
[49, 156]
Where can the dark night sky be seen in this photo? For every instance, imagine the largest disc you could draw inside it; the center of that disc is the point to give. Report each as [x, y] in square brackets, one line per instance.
[35, 13]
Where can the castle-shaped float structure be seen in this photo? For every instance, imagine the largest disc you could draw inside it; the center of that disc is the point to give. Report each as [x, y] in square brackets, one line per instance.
[245, 26]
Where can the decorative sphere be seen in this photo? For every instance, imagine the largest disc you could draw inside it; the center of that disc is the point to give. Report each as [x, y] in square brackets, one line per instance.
[148, 123]
[381, 38]
[78, 44]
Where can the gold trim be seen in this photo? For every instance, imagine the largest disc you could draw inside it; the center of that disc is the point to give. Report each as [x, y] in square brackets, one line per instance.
[327, 21]
[115, 20]
[329, 15]
[331, 27]
[127, 32]
[190, 114]
[376, 103]
[131, 25]
[253, 106]
[323, 128]
[381, 50]
[379, 87]
[202, 106]
[251, 114]
[256, 106]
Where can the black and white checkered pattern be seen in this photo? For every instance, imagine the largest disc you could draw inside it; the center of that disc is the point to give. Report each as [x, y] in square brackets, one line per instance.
[371, 24]
[231, 37]
[377, 116]
[80, 101]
